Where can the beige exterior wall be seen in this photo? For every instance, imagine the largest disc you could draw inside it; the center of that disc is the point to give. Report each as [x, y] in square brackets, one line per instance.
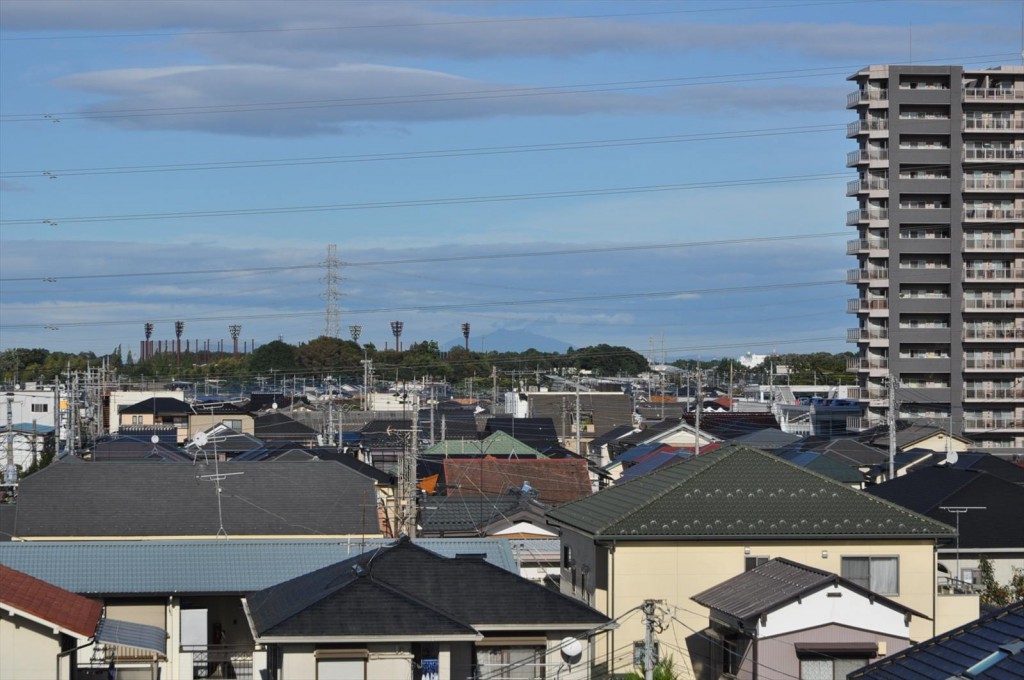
[204, 421]
[27, 649]
[674, 572]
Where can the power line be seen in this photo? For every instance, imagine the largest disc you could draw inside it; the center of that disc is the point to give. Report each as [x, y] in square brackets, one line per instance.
[426, 202]
[432, 260]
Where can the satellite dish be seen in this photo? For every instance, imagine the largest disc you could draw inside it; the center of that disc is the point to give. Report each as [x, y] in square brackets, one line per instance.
[200, 439]
[952, 457]
[155, 439]
[571, 650]
[274, 406]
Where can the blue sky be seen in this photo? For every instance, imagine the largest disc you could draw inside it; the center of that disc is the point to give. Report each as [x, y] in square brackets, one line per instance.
[635, 173]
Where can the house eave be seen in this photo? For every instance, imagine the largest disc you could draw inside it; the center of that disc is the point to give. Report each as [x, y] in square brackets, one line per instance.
[626, 538]
[348, 639]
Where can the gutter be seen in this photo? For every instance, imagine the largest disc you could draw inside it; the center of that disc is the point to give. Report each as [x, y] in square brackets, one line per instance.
[605, 540]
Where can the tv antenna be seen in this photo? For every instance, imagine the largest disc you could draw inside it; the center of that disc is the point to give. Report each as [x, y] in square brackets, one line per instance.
[200, 440]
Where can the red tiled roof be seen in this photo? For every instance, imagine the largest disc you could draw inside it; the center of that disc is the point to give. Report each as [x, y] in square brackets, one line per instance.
[46, 601]
[556, 480]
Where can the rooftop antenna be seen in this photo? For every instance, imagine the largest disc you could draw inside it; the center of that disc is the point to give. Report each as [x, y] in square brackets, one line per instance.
[217, 477]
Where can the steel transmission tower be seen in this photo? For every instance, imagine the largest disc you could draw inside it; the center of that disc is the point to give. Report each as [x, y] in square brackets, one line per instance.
[332, 317]
[235, 330]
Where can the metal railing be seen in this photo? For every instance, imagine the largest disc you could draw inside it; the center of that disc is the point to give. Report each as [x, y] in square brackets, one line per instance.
[993, 334]
[995, 94]
[994, 274]
[858, 275]
[992, 184]
[857, 334]
[997, 305]
[860, 96]
[866, 155]
[858, 244]
[861, 305]
[990, 214]
[994, 154]
[993, 424]
[990, 364]
[992, 244]
[992, 124]
[994, 393]
[220, 661]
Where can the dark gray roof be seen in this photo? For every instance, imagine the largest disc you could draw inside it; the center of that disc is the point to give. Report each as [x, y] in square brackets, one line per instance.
[451, 516]
[370, 596]
[998, 637]
[767, 439]
[279, 426]
[774, 584]
[163, 406]
[176, 499]
[738, 492]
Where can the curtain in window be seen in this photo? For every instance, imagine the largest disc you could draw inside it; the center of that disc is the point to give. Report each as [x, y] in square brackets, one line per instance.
[885, 575]
[816, 669]
[858, 570]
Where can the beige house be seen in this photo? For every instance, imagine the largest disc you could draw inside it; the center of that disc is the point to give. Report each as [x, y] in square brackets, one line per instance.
[206, 416]
[687, 527]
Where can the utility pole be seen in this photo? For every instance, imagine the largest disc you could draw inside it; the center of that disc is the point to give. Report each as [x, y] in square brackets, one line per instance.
[698, 404]
[494, 378]
[892, 425]
[650, 656]
[10, 471]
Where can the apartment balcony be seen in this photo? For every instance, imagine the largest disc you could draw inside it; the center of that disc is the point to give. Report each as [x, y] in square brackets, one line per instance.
[993, 305]
[925, 305]
[869, 156]
[994, 334]
[988, 94]
[860, 364]
[976, 424]
[866, 97]
[854, 217]
[1014, 394]
[859, 424]
[865, 126]
[992, 124]
[858, 186]
[994, 155]
[994, 275]
[865, 335]
[993, 214]
[995, 184]
[982, 244]
[993, 364]
[866, 275]
[865, 245]
[858, 305]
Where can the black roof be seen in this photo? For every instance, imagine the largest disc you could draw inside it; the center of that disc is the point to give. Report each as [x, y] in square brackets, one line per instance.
[998, 636]
[536, 432]
[278, 425]
[403, 589]
[468, 515]
[608, 436]
[333, 454]
[930, 489]
[732, 425]
[163, 406]
[178, 499]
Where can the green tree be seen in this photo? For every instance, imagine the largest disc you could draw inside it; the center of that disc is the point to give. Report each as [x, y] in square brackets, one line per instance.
[326, 355]
[995, 593]
[276, 355]
[663, 670]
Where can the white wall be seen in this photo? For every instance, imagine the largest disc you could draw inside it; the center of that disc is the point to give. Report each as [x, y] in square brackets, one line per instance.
[835, 604]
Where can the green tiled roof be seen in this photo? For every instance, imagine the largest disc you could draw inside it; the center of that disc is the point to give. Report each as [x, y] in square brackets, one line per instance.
[498, 444]
[738, 492]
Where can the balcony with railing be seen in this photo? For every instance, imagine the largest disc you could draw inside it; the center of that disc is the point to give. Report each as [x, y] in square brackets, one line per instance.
[866, 125]
[860, 185]
[864, 275]
[866, 156]
[994, 274]
[992, 184]
[866, 96]
[990, 94]
[857, 305]
[993, 364]
[1007, 423]
[995, 154]
[993, 305]
[981, 243]
[993, 393]
[993, 214]
[862, 364]
[864, 334]
[994, 334]
[220, 661]
[992, 124]
[859, 245]
[866, 215]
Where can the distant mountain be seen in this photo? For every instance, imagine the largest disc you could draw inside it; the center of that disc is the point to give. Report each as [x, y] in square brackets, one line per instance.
[508, 340]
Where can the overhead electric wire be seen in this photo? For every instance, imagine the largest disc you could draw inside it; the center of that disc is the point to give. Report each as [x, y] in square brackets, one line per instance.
[427, 202]
[415, 155]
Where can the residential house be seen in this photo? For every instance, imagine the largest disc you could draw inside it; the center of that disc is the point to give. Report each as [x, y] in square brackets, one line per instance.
[442, 516]
[784, 620]
[277, 427]
[552, 481]
[987, 510]
[911, 436]
[164, 411]
[989, 648]
[118, 400]
[680, 530]
[27, 442]
[234, 416]
[402, 609]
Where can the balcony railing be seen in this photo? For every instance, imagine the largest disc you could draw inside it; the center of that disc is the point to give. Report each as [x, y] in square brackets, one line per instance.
[859, 244]
[1009, 333]
[994, 214]
[866, 125]
[220, 661]
[992, 94]
[993, 423]
[991, 244]
[993, 364]
[866, 215]
[994, 274]
[994, 393]
[858, 185]
[992, 124]
[859, 334]
[861, 275]
[859, 364]
[992, 184]
[855, 305]
[994, 154]
[992, 305]
[866, 156]
[862, 96]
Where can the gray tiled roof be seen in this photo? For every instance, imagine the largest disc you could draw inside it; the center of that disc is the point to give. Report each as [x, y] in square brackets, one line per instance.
[771, 585]
[207, 566]
[739, 492]
[178, 499]
[461, 594]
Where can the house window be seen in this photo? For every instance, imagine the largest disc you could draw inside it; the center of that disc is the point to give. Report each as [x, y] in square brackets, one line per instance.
[829, 669]
[340, 664]
[233, 423]
[878, 574]
[566, 556]
[136, 420]
[752, 561]
[511, 663]
[40, 408]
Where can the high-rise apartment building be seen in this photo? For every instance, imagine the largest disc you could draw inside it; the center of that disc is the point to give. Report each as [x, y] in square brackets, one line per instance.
[940, 248]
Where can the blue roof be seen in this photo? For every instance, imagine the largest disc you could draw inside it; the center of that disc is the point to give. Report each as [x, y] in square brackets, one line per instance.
[650, 465]
[991, 648]
[207, 566]
[638, 452]
[29, 427]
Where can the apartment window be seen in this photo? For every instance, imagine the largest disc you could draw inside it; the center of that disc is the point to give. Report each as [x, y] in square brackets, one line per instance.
[753, 561]
[878, 574]
[829, 669]
[40, 408]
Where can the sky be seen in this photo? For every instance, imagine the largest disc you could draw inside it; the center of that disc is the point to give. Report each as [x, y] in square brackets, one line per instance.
[668, 176]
